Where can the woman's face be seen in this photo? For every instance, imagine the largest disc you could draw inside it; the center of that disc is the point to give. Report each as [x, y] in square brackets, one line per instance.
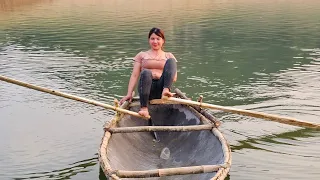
[156, 42]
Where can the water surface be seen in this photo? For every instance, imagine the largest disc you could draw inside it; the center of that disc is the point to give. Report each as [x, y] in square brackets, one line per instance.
[258, 55]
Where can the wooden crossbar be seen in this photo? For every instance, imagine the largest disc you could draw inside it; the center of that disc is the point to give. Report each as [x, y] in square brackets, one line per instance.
[169, 171]
[160, 128]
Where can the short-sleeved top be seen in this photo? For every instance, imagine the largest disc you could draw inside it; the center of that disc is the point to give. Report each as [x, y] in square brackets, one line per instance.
[155, 64]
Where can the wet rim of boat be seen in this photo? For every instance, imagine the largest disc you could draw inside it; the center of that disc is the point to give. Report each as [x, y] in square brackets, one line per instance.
[221, 170]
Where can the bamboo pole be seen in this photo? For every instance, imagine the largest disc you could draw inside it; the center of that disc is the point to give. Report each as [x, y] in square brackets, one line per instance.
[138, 98]
[160, 128]
[276, 118]
[153, 101]
[169, 171]
[69, 96]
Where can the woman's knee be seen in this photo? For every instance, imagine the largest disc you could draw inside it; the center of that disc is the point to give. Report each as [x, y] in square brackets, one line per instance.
[171, 63]
[145, 78]
[146, 73]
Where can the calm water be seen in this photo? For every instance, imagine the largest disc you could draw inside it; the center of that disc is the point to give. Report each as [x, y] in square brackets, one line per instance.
[258, 55]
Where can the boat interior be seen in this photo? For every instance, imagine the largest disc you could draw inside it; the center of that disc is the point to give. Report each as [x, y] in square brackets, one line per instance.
[139, 151]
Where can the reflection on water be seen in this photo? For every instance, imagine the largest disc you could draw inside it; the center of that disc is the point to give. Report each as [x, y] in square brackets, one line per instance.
[258, 55]
[65, 173]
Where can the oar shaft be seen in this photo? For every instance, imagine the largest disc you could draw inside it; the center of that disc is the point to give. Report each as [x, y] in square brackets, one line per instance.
[69, 96]
[161, 128]
[280, 119]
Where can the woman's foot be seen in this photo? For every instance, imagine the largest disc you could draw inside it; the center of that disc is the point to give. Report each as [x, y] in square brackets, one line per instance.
[144, 112]
[166, 92]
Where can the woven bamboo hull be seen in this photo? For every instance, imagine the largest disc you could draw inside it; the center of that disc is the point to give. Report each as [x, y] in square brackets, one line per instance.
[138, 151]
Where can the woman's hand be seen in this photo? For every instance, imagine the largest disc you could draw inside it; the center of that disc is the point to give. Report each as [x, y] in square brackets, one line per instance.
[126, 98]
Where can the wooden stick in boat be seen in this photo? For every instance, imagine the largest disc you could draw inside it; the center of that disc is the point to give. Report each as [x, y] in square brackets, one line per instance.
[160, 128]
[69, 96]
[137, 97]
[169, 171]
[280, 119]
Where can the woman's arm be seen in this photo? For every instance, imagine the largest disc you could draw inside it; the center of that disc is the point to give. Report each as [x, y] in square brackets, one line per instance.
[133, 78]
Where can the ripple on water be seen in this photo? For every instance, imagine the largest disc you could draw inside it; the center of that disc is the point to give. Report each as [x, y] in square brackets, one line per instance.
[42, 130]
[247, 54]
[286, 153]
[280, 150]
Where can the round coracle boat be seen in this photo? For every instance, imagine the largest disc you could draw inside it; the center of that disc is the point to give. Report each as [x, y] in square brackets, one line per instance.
[178, 142]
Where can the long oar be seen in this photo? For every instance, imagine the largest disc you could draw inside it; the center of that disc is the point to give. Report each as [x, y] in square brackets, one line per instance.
[69, 96]
[271, 117]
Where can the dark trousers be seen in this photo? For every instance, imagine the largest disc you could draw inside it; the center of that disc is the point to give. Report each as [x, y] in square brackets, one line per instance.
[152, 88]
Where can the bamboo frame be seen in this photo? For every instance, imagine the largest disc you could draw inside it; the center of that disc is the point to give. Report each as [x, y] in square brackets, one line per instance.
[205, 117]
[276, 118]
[221, 169]
[160, 128]
[169, 171]
[223, 172]
[69, 96]
[154, 101]
[103, 159]
[138, 98]
[227, 154]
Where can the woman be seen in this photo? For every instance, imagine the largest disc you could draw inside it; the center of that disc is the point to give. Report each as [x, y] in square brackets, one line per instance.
[157, 70]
